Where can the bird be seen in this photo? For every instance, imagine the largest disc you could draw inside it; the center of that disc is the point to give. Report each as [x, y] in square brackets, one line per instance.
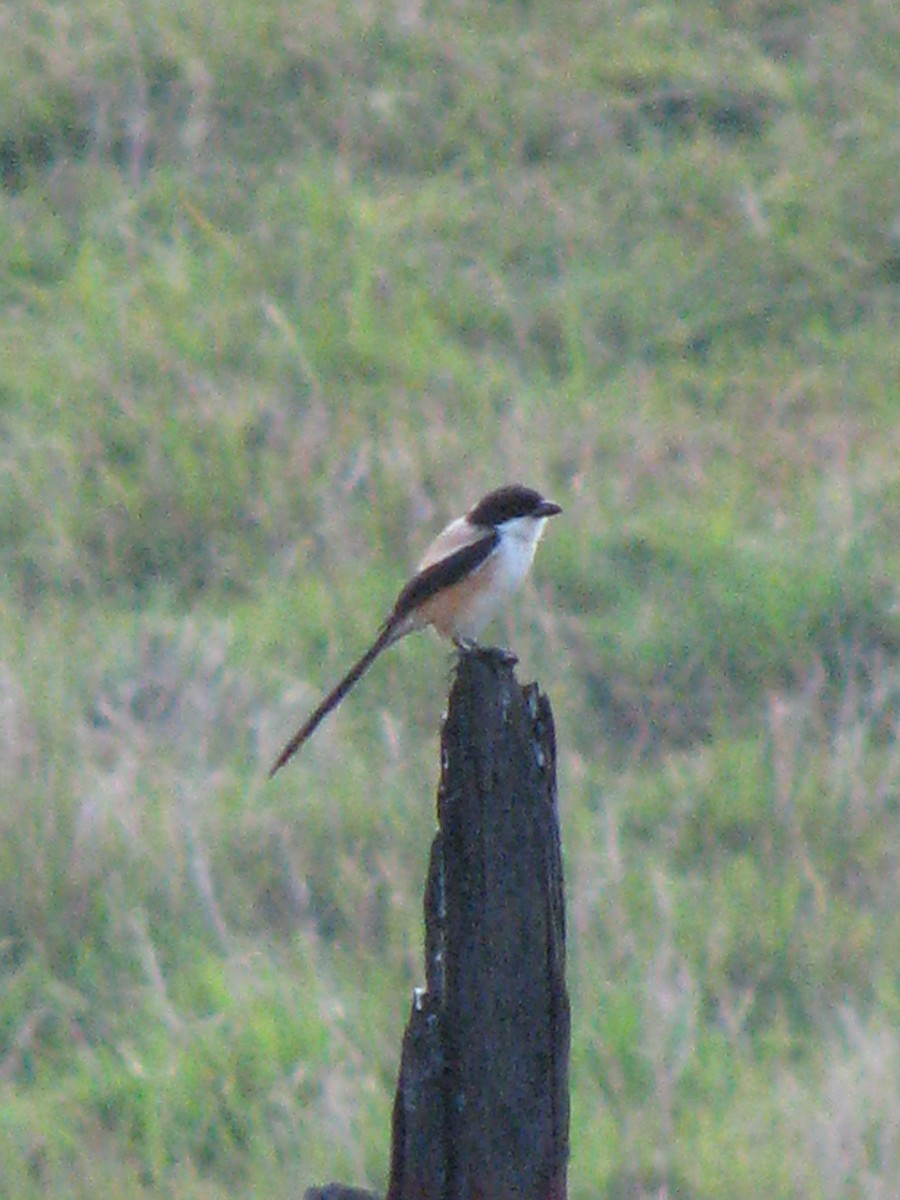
[465, 577]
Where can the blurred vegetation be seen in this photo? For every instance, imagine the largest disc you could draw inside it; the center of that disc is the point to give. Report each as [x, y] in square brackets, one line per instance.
[286, 285]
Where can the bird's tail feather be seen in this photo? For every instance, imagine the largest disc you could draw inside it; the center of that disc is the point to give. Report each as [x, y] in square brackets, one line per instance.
[388, 634]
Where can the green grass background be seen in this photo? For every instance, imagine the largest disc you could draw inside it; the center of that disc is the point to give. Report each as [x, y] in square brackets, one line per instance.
[284, 286]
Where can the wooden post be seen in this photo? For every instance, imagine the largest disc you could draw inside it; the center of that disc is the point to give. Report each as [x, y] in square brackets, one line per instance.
[482, 1105]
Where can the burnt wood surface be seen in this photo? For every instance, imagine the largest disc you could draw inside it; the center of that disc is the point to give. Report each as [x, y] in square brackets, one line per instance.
[482, 1107]
[482, 1104]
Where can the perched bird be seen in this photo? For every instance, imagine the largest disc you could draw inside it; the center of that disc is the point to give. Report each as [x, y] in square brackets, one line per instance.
[466, 575]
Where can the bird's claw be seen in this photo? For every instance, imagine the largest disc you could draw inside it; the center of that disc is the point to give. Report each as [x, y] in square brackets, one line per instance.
[500, 654]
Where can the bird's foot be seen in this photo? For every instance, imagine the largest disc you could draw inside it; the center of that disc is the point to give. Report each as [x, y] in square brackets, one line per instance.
[465, 645]
[500, 654]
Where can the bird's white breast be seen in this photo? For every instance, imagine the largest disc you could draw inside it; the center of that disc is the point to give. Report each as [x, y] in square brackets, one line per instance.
[501, 575]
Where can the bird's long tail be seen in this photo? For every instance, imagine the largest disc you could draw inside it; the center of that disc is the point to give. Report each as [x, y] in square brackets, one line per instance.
[390, 633]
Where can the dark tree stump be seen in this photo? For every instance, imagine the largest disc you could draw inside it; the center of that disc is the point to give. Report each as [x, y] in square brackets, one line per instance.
[482, 1104]
[482, 1108]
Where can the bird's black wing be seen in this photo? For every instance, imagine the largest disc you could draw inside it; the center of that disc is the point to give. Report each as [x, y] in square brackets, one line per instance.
[444, 574]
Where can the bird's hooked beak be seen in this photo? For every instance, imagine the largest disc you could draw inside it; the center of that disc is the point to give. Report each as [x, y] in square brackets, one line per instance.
[547, 508]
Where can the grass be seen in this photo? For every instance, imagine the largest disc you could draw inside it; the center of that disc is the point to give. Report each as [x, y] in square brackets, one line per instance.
[284, 288]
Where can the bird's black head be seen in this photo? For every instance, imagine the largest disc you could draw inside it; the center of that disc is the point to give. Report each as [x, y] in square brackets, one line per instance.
[511, 501]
